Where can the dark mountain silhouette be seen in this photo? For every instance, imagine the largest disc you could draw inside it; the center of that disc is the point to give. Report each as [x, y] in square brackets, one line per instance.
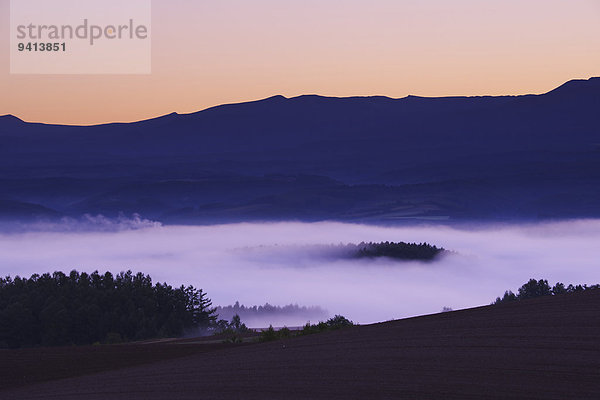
[314, 158]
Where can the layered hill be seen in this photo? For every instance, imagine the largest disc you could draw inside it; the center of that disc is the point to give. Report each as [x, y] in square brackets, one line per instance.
[315, 158]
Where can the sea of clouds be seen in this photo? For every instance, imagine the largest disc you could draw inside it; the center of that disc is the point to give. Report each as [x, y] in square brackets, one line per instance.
[277, 263]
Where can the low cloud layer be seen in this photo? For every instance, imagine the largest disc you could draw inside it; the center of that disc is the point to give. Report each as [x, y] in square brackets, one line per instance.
[275, 263]
[85, 223]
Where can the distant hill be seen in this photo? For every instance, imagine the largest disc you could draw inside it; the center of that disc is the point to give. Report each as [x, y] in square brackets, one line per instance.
[316, 158]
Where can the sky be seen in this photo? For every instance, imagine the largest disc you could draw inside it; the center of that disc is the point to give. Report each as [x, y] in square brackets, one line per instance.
[206, 53]
[277, 262]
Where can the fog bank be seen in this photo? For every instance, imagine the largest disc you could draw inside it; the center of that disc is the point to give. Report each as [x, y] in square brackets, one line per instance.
[275, 263]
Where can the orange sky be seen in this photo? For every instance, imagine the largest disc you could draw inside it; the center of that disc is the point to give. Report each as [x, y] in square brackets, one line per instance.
[206, 53]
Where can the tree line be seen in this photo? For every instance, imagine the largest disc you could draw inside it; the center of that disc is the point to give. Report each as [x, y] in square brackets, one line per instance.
[540, 288]
[334, 323]
[80, 308]
[268, 310]
[400, 250]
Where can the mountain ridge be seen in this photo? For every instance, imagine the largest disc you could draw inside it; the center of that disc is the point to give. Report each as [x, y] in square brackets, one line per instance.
[567, 85]
[482, 157]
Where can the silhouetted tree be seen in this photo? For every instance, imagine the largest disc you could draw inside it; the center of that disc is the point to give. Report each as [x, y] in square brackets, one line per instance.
[559, 288]
[534, 288]
[508, 296]
[338, 322]
[235, 326]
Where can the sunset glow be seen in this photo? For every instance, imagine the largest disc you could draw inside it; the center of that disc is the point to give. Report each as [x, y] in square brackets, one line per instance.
[210, 53]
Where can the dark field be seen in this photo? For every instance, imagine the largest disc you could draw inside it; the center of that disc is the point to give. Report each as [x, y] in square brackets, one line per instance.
[547, 348]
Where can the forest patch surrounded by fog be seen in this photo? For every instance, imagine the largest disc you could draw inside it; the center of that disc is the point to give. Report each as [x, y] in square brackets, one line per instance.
[281, 263]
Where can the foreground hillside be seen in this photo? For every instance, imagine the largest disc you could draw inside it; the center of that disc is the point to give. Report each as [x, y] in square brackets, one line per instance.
[546, 348]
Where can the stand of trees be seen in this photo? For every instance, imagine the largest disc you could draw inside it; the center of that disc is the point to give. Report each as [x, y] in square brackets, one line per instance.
[533, 289]
[252, 312]
[401, 250]
[335, 323]
[59, 309]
